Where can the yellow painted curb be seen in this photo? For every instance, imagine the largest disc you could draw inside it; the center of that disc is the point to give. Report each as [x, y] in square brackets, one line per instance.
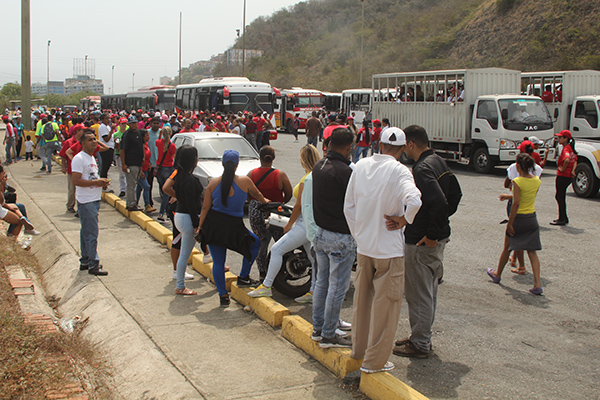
[383, 386]
[140, 218]
[110, 198]
[297, 330]
[158, 231]
[206, 271]
[195, 252]
[266, 308]
[121, 206]
[169, 241]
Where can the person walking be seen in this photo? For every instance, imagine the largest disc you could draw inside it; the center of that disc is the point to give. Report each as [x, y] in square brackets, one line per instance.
[522, 229]
[132, 159]
[10, 141]
[143, 187]
[164, 166]
[379, 186]
[426, 239]
[334, 246]
[294, 231]
[275, 185]
[66, 165]
[88, 191]
[565, 171]
[313, 129]
[295, 127]
[222, 223]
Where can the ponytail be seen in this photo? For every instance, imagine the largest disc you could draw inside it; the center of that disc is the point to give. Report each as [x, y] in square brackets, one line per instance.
[572, 144]
[227, 180]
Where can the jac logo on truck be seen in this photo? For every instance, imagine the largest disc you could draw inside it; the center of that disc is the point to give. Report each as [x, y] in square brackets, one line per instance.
[531, 128]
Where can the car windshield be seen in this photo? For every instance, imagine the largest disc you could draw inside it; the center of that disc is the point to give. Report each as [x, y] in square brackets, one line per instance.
[525, 114]
[213, 148]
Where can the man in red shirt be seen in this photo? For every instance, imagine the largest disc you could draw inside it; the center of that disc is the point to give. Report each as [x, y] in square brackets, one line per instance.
[547, 95]
[375, 135]
[219, 125]
[66, 165]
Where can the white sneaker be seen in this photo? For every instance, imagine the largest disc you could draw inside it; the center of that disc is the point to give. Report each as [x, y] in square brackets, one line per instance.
[341, 333]
[207, 259]
[31, 232]
[188, 277]
[343, 325]
[28, 226]
[387, 367]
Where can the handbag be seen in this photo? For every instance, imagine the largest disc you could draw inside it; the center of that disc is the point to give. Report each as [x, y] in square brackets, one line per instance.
[157, 170]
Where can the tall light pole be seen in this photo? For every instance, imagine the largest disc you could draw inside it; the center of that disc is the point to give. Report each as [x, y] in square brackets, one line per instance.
[362, 41]
[133, 82]
[25, 65]
[85, 66]
[112, 85]
[48, 69]
[180, 22]
[244, 43]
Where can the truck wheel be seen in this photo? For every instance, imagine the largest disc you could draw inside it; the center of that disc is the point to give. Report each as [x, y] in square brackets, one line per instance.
[585, 183]
[481, 161]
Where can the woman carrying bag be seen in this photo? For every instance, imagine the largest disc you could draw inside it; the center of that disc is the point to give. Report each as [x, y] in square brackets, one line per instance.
[164, 169]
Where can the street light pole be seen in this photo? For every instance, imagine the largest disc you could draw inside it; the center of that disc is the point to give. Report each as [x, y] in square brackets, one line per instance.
[48, 69]
[362, 41]
[85, 66]
[112, 85]
[244, 43]
[133, 82]
[25, 65]
[180, 22]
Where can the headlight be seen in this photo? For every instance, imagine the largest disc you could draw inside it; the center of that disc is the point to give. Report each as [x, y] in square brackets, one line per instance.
[549, 142]
[507, 144]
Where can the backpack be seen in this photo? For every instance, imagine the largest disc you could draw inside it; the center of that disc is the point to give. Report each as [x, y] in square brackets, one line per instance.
[48, 132]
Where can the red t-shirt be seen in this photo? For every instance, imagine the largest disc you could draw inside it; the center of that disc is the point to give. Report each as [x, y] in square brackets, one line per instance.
[536, 157]
[375, 134]
[259, 124]
[363, 138]
[567, 152]
[147, 155]
[168, 162]
[547, 96]
[63, 152]
[220, 127]
[269, 187]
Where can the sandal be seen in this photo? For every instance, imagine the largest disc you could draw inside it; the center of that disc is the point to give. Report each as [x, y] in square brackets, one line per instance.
[520, 271]
[512, 261]
[186, 292]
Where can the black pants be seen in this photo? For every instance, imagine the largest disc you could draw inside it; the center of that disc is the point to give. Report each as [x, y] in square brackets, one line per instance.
[107, 159]
[19, 144]
[150, 178]
[562, 183]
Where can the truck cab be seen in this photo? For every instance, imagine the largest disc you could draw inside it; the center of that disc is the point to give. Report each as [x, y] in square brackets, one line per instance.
[584, 117]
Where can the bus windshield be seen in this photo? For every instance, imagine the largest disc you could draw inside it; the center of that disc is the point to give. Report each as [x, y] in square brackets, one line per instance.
[309, 101]
[525, 114]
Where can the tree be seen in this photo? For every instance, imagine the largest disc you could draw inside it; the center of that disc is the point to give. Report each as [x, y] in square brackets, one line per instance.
[11, 91]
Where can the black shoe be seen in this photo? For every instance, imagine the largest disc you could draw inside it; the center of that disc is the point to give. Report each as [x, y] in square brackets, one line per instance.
[559, 222]
[83, 267]
[98, 271]
[134, 208]
[43, 169]
[336, 341]
[246, 282]
[225, 300]
[76, 215]
[122, 194]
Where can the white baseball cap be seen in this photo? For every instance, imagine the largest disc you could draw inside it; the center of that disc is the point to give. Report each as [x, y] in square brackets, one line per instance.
[394, 136]
[535, 140]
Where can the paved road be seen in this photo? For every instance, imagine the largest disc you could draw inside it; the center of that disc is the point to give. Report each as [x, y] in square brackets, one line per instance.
[499, 341]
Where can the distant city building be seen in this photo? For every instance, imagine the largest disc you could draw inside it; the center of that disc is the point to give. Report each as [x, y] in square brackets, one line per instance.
[40, 89]
[234, 56]
[84, 71]
[164, 80]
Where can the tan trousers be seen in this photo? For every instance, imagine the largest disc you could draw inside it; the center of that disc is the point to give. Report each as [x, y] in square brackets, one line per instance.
[379, 287]
[70, 193]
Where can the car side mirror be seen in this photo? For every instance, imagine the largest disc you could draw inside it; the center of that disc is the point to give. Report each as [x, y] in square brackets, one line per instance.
[555, 113]
[504, 114]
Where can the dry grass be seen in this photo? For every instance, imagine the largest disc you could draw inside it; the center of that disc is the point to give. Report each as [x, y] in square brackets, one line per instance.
[32, 363]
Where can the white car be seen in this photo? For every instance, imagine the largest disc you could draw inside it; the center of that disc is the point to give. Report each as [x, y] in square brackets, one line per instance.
[211, 146]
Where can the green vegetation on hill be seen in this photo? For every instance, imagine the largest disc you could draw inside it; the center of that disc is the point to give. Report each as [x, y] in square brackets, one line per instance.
[316, 44]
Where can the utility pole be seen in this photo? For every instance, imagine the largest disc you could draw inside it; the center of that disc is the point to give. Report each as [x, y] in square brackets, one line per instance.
[180, 22]
[133, 82]
[48, 69]
[86, 66]
[112, 86]
[244, 43]
[25, 66]
[362, 41]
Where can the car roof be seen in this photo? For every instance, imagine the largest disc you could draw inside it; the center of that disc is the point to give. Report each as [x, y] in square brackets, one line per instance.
[208, 135]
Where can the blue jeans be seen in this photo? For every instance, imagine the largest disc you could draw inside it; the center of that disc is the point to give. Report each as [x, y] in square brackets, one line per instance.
[165, 172]
[314, 140]
[360, 150]
[11, 227]
[336, 253]
[259, 139]
[46, 152]
[219, 254]
[144, 186]
[88, 235]
[183, 223]
[10, 148]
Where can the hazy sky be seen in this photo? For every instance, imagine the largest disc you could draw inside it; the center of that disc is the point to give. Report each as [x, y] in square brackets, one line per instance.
[136, 36]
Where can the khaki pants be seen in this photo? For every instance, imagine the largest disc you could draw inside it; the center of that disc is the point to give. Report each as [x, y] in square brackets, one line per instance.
[379, 287]
[70, 193]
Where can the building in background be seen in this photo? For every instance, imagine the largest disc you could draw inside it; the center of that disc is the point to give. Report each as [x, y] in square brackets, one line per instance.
[84, 79]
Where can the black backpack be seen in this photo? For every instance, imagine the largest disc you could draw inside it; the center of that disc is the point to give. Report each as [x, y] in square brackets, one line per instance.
[48, 132]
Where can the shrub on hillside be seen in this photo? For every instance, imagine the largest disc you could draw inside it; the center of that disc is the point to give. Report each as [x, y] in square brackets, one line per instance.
[503, 6]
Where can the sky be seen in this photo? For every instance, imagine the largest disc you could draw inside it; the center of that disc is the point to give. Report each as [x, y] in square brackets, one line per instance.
[138, 37]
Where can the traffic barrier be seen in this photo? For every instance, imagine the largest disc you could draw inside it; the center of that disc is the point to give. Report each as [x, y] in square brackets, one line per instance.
[298, 331]
[140, 218]
[266, 308]
[158, 231]
[383, 386]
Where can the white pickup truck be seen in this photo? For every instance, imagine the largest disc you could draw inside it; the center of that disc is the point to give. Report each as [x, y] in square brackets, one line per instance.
[573, 99]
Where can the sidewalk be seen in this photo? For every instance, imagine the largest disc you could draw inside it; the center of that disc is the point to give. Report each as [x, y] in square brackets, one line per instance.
[210, 352]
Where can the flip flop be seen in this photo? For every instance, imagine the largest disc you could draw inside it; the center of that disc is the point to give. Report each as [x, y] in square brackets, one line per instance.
[520, 271]
[490, 272]
[186, 292]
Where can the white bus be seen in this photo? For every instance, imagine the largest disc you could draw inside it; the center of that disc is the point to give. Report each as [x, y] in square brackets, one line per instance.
[296, 101]
[358, 102]
[225, 94]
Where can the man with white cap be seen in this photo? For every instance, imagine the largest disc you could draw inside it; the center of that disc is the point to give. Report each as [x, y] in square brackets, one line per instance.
[380, 187]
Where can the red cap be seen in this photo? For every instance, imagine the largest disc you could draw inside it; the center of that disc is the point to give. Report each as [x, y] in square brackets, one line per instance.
[123, 120]
[77, 127]
[376, 122]
[43, 116]
[566, 133]
[524, 144]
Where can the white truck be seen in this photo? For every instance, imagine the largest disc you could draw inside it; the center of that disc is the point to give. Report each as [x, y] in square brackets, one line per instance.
[477, 114]
[574, 101]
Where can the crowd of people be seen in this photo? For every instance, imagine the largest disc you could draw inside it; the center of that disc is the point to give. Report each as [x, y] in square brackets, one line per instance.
[351, 207]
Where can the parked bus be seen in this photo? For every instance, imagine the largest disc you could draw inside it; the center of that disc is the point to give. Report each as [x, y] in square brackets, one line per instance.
[332, 101]
[359, 102]
[89, 102]
[158, 98]
[113, 101]
[290, 102]
[226, 94]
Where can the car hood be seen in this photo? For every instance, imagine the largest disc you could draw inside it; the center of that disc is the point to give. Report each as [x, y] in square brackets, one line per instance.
[211, 169]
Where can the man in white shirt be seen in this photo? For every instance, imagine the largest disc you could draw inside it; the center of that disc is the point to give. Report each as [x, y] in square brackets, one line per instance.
[88, 191]
[379, 187]
[105, 134]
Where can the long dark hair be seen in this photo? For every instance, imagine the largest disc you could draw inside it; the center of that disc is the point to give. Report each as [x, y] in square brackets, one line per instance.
[367, 133]
[227, 180]
[572, 144]
[526, 162]
[185, 161]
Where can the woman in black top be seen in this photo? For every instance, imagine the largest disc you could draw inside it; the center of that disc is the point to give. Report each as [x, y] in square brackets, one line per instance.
[188, 191]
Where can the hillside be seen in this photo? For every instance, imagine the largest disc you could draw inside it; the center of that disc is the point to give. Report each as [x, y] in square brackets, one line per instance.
[317, 43]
